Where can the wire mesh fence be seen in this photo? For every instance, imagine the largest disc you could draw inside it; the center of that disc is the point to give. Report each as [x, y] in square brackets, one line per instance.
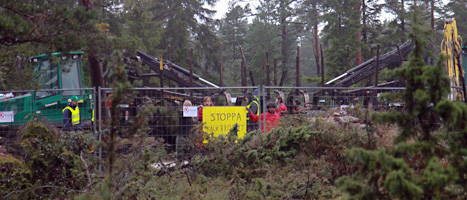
[172, 115]
[314, 98]
[319, 101]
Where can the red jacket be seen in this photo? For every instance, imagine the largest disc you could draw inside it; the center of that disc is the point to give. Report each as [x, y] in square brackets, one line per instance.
[200, 114]
[271, 120]
[282, 107]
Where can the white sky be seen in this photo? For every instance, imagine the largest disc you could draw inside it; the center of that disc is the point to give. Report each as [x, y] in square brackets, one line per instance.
[222, 7]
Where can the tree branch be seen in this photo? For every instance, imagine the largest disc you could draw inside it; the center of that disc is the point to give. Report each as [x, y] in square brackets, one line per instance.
[10, 41]
[87, 170]
[17, 12]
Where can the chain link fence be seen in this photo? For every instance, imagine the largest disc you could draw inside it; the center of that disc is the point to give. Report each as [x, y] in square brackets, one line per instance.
[325, 101]
[171, 115]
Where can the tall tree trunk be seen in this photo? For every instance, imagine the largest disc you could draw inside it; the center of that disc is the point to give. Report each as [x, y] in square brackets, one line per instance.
[284, 46]
[221, 78]
[339, 22]
[402, 16]
[364, 21]
[95, 67]
[234, 42]
[358, 56]
[315, 30]
[432, 14]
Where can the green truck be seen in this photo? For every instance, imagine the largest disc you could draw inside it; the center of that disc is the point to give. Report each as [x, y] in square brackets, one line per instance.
[59, 76]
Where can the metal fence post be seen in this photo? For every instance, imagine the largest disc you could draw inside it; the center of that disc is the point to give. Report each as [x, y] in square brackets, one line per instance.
[94, 128]
[99, 100]
[264, 110]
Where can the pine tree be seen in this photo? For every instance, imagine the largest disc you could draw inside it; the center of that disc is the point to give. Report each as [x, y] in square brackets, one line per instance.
[342, 28]
[233, 29]
[457, 8]
[413, 170]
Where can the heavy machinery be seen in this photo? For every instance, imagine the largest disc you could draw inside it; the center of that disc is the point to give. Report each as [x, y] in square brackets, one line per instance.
[360, 72]
[59, 77]
[181, 76]
[451, 48]
[390, 60]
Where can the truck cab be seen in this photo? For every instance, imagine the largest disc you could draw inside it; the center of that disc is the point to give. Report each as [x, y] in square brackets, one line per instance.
[58, 76]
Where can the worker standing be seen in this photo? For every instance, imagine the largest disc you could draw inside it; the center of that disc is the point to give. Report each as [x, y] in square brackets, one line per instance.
[255, 95]
[71, 116]
[253, 105]
[280, 105]
[272, 117]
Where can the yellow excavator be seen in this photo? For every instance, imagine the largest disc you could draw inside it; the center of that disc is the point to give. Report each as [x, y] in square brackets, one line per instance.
[451, 47]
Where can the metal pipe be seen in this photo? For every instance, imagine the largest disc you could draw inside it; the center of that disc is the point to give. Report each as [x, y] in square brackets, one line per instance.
[338, 88]
[207, 82]
[337, 78]
[271, 87]
[190, 88]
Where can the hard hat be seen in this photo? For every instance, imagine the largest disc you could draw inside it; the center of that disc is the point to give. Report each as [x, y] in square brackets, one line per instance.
[74, 98]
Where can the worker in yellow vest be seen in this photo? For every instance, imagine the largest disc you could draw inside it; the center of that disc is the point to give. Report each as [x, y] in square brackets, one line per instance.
[71, 117]
[253, 106]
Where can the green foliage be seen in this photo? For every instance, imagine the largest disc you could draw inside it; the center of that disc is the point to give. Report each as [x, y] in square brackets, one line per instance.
[381, 175]
[49, 166]
[22, 22]
[457, 9]
[343, 24]
[166, 123]
[15, 176]
[416, 168]
[290, 162]
[15, 71]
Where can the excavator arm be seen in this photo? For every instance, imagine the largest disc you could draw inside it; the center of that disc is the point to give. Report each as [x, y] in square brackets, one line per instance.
[451, 47]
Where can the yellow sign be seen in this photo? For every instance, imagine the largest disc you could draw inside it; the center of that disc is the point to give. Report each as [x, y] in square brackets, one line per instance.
[219, 120]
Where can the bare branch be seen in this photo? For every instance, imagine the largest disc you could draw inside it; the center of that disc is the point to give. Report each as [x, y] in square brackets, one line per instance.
[87, 169]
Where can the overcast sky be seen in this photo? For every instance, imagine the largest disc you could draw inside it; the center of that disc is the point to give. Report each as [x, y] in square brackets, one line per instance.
[222, 6]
